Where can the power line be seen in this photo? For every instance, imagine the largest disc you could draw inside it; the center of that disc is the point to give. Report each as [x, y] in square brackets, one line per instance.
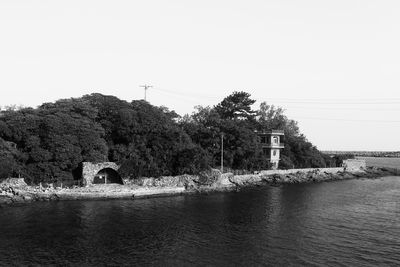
[185, 98]
[192, 95]
[334, 103]
[322, 101]
[335, 99]
[341, 108]
[195, 99]
[345, 102]
[348, 120]
[192, 99]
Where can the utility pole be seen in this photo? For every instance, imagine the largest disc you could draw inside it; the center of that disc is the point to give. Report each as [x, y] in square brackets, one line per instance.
[145, 90]
[222, 153]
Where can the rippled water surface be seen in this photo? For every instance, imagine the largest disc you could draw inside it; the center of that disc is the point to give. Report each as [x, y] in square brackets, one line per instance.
[354, 222]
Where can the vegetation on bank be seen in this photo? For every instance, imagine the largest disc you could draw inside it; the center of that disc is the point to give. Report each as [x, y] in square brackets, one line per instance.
[48, 143]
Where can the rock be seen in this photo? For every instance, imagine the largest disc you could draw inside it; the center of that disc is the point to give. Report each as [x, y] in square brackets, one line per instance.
[13, 182]
[54, 197]
[28, 198]
[266, 178]
[18, 199]
[209, 177]
[241, 180]
[224, 179]
[5, 200]
[164, 181]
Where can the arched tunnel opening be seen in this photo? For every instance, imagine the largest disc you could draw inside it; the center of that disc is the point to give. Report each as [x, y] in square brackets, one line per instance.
[107, 176]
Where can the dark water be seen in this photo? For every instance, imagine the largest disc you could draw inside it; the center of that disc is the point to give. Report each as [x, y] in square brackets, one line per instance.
[353, 223]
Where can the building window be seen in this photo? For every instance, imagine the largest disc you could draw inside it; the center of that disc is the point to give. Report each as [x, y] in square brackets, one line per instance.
[263, 139]
[274, 152]
[275, 140]
[265, 151]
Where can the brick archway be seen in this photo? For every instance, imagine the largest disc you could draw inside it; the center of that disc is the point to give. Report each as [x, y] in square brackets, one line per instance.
[91, 170]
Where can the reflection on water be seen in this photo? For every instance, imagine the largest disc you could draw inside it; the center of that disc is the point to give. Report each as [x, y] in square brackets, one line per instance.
[350, 222]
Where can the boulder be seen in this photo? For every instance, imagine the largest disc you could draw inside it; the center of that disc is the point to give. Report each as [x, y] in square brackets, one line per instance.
[209, 177]
[13, 182]
[241, 180]
[224, 180]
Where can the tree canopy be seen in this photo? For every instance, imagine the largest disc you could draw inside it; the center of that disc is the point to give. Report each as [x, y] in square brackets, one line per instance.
[48, 143]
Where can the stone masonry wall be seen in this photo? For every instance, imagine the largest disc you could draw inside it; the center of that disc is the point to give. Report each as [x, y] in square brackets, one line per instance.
[90, 170]
[291, 171]
[352, 165]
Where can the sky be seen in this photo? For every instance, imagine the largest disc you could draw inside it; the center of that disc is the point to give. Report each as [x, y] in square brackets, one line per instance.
[333, 65]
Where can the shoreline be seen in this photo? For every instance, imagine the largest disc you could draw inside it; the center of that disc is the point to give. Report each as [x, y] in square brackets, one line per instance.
[18, 192]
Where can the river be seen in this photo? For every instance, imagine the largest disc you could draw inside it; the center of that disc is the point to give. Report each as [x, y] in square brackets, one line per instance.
[353, 222]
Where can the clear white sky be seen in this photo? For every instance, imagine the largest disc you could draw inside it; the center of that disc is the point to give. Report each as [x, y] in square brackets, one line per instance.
[343, 56]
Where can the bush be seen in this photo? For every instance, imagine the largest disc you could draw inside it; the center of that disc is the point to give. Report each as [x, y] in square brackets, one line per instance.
[191, 161]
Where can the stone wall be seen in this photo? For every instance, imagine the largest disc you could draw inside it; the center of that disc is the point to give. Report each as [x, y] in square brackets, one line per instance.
[352, 165]
[291, 171]
[164, 181]
[90, 170]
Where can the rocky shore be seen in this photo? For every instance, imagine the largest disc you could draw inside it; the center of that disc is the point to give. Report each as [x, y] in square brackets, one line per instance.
[15, 190]
[317, 175]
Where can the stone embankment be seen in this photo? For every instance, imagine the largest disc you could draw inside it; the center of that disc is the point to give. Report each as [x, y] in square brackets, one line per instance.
[308, 176]
[17, 191]
[20, 192]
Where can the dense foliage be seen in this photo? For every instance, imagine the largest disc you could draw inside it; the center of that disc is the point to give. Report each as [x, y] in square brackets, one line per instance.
[48, 144]
[238, 123]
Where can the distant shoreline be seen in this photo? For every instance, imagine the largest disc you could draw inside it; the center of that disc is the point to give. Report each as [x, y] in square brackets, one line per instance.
[381, 154]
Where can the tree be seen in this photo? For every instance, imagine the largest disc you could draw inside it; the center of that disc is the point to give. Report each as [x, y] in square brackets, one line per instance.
[9, 156]
[298, 151]
[145, 140]
[50, 142]
[234, 119]
[236, 106]
[55, 138]
[271, 117]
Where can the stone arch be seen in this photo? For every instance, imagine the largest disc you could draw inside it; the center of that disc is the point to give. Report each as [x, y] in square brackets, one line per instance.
[107, 176]
[107, 169]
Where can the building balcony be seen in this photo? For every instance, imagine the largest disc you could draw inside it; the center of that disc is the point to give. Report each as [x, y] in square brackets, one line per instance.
[268, 145]
[275, 159]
